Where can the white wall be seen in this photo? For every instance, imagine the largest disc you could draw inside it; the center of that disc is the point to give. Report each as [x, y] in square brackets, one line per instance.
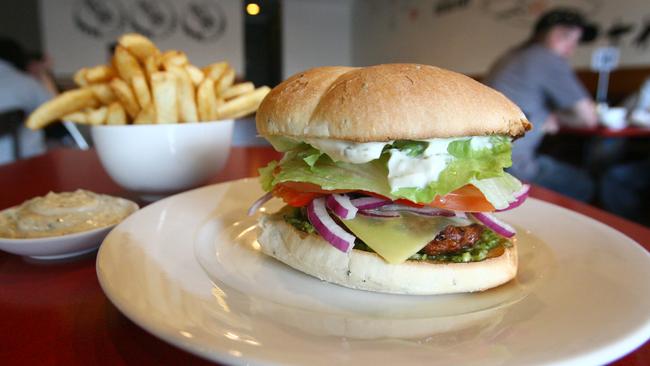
[77, 33]
[316, 33]
[470, 35]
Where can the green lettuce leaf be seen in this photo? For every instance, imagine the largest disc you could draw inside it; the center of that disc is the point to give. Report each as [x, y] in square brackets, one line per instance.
[332, 175]
[266, 176]
[498, 191]
[411, 148]
[467, 164]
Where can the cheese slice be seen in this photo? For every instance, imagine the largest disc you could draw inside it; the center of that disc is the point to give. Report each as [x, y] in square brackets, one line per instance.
[396, 239]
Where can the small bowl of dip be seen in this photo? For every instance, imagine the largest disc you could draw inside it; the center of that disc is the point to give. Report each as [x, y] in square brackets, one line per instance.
[61, 225]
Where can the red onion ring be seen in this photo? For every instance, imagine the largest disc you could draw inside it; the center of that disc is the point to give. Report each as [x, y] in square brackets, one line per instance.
[378, 213]
[520, 197]
[327, 228]
[369, 203]
[495, 224]
[341, 206]
[257, 204]
[425, 211]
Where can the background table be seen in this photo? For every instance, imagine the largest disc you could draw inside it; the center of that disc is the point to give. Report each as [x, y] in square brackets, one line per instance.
[55, 313]
[601, 131]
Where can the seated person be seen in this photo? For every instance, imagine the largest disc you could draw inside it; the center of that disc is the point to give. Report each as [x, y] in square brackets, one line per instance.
[19, 91]
[537, 77]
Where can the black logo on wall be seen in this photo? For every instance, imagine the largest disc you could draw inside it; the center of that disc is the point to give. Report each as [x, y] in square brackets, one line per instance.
[153, 18]
[201, 20]
[99, 18]
[204, 20]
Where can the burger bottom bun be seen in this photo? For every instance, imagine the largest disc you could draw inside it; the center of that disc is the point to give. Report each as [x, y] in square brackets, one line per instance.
[311, 254]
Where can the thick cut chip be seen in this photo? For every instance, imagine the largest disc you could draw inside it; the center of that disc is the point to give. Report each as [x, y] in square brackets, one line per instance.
[151, 65]
[99, 74]
[103, 93]
[146, 116]
[141, 90]
[237, 90]
[97, 116]
[207, 101]
[226, 81]
[65, 103]
[76, 117]
[80, 77]
[243, 104]
[185, 95]
[163, 85]
[195, 74]
[116, 114]
[173, 58]
[140, 46]
[215, 71]
[125, 95]
[126, 64]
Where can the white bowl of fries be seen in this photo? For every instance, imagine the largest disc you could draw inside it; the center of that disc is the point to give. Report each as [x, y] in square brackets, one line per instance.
[160, 123]
[155, 160]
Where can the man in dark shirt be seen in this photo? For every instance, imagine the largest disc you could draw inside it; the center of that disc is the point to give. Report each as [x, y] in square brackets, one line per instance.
[537, 77]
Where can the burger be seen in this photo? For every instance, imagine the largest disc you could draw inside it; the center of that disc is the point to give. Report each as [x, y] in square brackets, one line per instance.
[391, 176]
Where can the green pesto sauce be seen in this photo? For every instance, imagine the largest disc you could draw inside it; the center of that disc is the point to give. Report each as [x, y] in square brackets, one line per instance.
[297, 217]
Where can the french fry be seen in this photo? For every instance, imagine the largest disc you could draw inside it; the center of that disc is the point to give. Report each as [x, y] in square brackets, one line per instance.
[125, 95]
[103, 93]
[243, 104]
[215, 71]
[206, 101]
[116, 115]
[163, 87]
[146, 116]
[185, 95]
[226, 81]
[141, 90]
[64, 104]
[126, 64]
[237, 90]
[80, 77]
[195, 74]
[140, 46]
[173, 58]
[76, 117]
[151, 65]
[99, 74]
[97, 116]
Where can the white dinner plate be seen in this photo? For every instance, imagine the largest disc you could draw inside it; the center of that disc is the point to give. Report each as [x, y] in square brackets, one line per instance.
[188, 269]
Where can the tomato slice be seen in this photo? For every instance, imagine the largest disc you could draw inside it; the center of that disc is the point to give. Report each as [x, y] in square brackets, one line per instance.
[293, 197]
[467, 198]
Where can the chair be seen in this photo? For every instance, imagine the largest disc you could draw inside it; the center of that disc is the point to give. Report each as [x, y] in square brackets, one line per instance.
[10, 122]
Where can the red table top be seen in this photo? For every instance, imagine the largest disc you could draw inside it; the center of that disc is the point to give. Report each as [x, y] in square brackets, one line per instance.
[601, 131]
[56, 313]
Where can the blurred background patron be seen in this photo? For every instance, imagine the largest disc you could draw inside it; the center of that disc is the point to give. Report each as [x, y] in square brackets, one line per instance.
[20, 93]
[537, 76]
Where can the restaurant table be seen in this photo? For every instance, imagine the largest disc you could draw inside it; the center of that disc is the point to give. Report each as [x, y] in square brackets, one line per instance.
[55, 313]
[602, 131]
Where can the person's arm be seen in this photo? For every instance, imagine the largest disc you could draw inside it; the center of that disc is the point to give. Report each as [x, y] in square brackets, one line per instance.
[40, 70]
[573, 104]
[582, 114]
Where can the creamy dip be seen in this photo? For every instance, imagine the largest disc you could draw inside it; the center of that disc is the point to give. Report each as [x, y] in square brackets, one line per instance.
[63, 213]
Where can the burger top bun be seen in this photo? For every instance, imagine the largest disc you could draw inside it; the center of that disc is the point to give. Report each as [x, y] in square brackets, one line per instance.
[386, 102]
